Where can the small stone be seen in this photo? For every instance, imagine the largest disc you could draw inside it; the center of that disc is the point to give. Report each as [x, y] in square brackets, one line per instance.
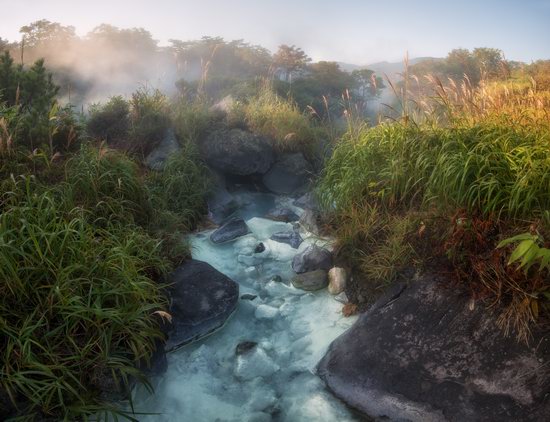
[312, 258]
[313, 280]
[336, 280]
[292, 238]
[285, 215]
[248, 296]
[245, 347]
[259, 248]
[342, 298]
[276, 279]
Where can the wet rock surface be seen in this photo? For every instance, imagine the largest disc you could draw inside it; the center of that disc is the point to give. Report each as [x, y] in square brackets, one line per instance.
[311, 281]
[312, 258]
[229, 231]
[289, 174]
[422, 353]
[292, 238]
[202, 299]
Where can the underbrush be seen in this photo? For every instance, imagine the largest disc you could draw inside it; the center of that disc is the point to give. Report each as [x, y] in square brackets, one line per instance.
[392, 193]
[279, 119]
[77, 303]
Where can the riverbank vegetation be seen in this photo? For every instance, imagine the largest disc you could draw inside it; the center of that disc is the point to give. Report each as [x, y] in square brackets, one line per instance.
[442, 185]
[455, 177]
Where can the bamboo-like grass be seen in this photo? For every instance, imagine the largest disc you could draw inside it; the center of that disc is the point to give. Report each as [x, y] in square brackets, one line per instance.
[77, 304]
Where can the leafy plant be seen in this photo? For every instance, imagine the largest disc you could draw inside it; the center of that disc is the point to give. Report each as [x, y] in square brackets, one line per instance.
[528, 252]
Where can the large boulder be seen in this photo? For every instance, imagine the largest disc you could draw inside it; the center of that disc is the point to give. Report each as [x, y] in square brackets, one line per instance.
[312, 258]
[202, 299]
[168, 145]
[423, 353]
[289, 174]
[237, 152]
[234, 228]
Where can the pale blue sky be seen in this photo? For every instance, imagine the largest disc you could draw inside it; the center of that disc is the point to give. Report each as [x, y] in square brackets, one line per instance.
[347, 30]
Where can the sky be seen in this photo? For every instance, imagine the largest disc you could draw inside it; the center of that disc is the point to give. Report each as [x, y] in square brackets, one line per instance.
[352, 31]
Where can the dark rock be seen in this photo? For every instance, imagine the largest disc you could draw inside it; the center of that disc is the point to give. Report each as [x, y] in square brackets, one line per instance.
[289, 174]
[248, 296]
[285, 215]
[292, 238]
[277, 279]
[260, 247]
[421, 353]
[202, 299]
[245, 347]
[313, 280]
[229, 231]
[221, 205]
[312, 258]
[167, 146]
[237, 152]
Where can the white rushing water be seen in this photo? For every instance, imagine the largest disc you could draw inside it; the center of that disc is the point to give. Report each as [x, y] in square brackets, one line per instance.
[207, 381]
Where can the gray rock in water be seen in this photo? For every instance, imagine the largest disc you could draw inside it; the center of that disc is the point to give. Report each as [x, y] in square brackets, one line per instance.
[421, 353]
[260, 247]
[292, 238]
[285, 215]
[221, 205]
[245, 347]
[237, 152]
[312, 258]
[230, 231]
[277, 279]
[248, 296]
[202, 299]
[311, 281]
[308, 221]
[289, 174]
[168, 145]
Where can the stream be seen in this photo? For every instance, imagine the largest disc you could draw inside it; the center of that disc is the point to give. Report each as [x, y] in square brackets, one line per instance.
[275, 381]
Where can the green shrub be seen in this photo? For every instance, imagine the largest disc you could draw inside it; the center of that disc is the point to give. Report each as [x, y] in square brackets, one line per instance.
[149, 114]
[181, 188]
[274, 117]
[107, 184]
[192, 119]
[77, 305]
[110, 122]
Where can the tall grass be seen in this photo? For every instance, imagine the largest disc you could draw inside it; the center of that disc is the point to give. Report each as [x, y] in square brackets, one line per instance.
[473, 165]
[76, 304]
[279, 119]
[107, 184]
